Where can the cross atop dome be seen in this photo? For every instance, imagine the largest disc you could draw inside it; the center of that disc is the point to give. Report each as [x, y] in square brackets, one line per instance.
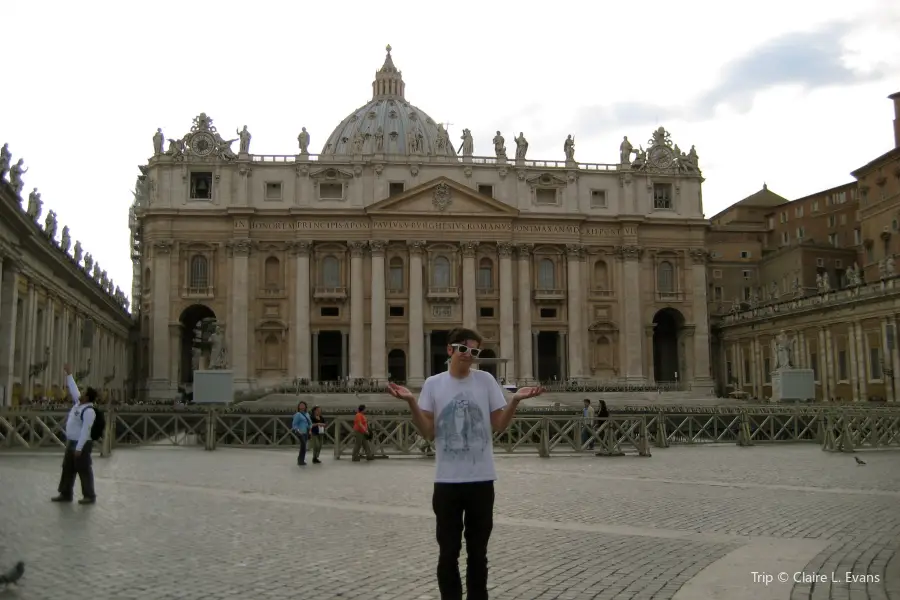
[388, 80]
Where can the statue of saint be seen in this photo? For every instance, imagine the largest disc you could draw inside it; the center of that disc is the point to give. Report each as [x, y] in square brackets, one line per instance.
[379, 139]
[50, 225]
[521, 146]
[569, 148]
[468, 143]
[218, 356]
[358, 141]
[66, 242]
[303, 140]
[244, 135]
[889, 266]
[88, 263]
[442, 143]
[15, 176]
[95, 272]
[783, 346]
[499, 146]
[76, 252]
[158, 141]
[35, 205]
[625, 149]
[5, 159]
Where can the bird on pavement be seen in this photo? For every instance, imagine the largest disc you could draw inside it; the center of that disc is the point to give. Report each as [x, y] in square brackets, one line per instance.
[13, 575]
[859, 461]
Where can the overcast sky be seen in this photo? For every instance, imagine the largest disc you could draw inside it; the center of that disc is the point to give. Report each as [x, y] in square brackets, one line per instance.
[787, 92]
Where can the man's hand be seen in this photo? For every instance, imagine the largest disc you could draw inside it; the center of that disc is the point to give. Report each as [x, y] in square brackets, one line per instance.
[528, 392]
[67, 369]
[400, 392]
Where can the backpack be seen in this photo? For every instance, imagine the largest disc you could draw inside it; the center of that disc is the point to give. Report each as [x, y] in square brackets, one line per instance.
[98, 425]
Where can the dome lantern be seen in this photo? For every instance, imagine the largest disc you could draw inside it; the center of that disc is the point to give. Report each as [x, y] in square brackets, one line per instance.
[388, 80]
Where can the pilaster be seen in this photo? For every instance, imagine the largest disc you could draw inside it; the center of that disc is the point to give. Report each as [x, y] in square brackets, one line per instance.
[631, 269]
[378, 351]
[160, 383]
[702, 374]
[240, 308]
[300, 366]
[470, 314]
[526, 360]
[574, 253]
[507, 311]
[416, 315]
[357, 311]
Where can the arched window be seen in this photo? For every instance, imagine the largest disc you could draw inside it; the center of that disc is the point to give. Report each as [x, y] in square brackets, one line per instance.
[601, 275]
[272, 352]
[146, 282]
[331, 272]
[441, 278]
[665, 277]
[395, 277]
[546, 274]
[273, 273]
[199, 272]
[485, 275]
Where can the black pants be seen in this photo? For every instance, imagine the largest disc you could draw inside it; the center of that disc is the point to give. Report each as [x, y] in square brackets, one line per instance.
[463, 507]
[304, 438]
[80, 466]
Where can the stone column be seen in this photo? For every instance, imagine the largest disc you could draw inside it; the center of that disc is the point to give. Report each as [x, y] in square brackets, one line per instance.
[564, 352]
[830, 373]
[470, 312]
[415, 359]
[634, 367]
[345, 354]
[507, 314]
[853, 374]
[702, 376]
[426, 341]
[301, 311]
[862, 359]
[159, 342]
[49, 343]
[822, 366]
[378, 351]
[574, 252]
[357, 311]
[525, 373]
[238, 358]
[314, 344]
[9, 300]
[535, 358]
[895, 358]
[887, 361]
[28, 341]
[648, 338]
[63, 344]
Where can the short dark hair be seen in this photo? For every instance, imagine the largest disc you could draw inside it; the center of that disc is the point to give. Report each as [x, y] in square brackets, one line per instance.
[91, 394]
[361, 408]
[461, 335]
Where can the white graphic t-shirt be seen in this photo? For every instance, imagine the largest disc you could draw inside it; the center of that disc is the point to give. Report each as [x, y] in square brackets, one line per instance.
[462, 409]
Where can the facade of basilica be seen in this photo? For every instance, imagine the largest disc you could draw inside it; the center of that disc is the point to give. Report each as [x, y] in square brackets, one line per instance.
[354, 263]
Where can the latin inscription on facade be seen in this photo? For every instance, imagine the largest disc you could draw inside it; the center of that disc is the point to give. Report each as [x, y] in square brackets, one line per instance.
[437, 225]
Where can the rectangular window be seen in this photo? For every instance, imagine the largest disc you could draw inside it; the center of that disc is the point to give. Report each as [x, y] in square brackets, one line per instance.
[331, 191]
[395, 188]
[798, 211]
[201, 186]
[485, 279]
[843, 219]
[874, 363]
[486, 190]
[545, 196]
[662, 196]
[815, 206]
[831, 220]
[486, 312]
[395, 311]
[746, 274]
[857, 237]
[745, 254]
[767, 370]
[717, 273]
[273, 191]
[729, 374]
[814, 364]
[717, 293]
[747, 292]
[330, 311]
[548, 313]
[834, 240]
[800, 233]
[598, 198]
[747, 374]
[842, 365]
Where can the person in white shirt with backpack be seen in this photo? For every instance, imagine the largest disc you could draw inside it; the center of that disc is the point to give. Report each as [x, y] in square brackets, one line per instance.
[83, 427]
[460, 409]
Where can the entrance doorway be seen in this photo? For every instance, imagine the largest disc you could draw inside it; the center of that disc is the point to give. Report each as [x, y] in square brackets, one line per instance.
[549, 363]
[397, 366]
[438, 345]
[668, 325]
[196, 321]
[331, 352]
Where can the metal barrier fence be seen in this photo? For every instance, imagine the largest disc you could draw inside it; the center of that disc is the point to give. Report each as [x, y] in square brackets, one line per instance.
[835, 429]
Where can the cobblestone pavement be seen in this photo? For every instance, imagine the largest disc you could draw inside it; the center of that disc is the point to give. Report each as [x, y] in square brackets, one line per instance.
[688, 523]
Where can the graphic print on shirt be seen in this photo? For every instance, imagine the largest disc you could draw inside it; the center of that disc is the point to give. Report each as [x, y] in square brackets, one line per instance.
[461, 429]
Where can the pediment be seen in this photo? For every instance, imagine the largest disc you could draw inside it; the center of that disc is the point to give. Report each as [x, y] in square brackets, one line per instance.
[443, 197]
[603, 327]
[547, 180]
[330, 174]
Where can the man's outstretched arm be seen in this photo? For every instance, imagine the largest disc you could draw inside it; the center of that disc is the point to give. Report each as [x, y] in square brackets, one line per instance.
[422, 419]
[70, 385]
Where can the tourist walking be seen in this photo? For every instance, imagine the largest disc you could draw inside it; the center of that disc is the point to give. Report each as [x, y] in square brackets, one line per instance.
[79, 443]
[459, 409]
[300, 425]
[317, 436]
[362, 435]
[587, 424]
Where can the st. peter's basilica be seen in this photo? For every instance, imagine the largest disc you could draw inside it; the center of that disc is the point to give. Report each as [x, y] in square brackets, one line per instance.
[355, 262]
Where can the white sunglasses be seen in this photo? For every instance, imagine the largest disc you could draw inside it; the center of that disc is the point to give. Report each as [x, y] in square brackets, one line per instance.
[462, 349]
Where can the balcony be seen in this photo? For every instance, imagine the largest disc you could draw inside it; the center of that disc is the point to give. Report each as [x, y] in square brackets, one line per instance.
[198, 292]
[443, 293]
[485, 292]
[272, 292]
[330, 293]
[549, 295]
[669, 296]
[602, 294]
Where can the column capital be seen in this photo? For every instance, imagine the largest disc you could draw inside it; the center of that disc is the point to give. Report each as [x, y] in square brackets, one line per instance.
[469, 248]
[699, 255]
[300, 247]
[524, 250]
[504, 249]
[239, 247]
[163, 246]
[416, 247]
[376, 247]
[574, 251]
[630, 252]
[356, 248]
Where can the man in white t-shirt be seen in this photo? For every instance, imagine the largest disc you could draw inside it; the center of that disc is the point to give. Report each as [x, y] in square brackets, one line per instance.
[460, 409]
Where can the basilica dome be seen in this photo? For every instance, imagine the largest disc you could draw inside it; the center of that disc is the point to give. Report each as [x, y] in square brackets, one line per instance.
[388, 124]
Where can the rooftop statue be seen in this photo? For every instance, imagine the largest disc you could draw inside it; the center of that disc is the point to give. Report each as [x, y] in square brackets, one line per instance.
[303, 140]
[499, 146]
[5, 160]
[35, 205]
[521, 146]
[569, 148]
[50, 225]
[66, 242]
[625, 150]
[158, 142]
[244, 136]
[468, 143]
[15, 176]
[76, 252]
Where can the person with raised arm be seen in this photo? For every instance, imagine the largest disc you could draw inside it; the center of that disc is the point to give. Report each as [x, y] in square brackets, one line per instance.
[77, 458]
[459, 409]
